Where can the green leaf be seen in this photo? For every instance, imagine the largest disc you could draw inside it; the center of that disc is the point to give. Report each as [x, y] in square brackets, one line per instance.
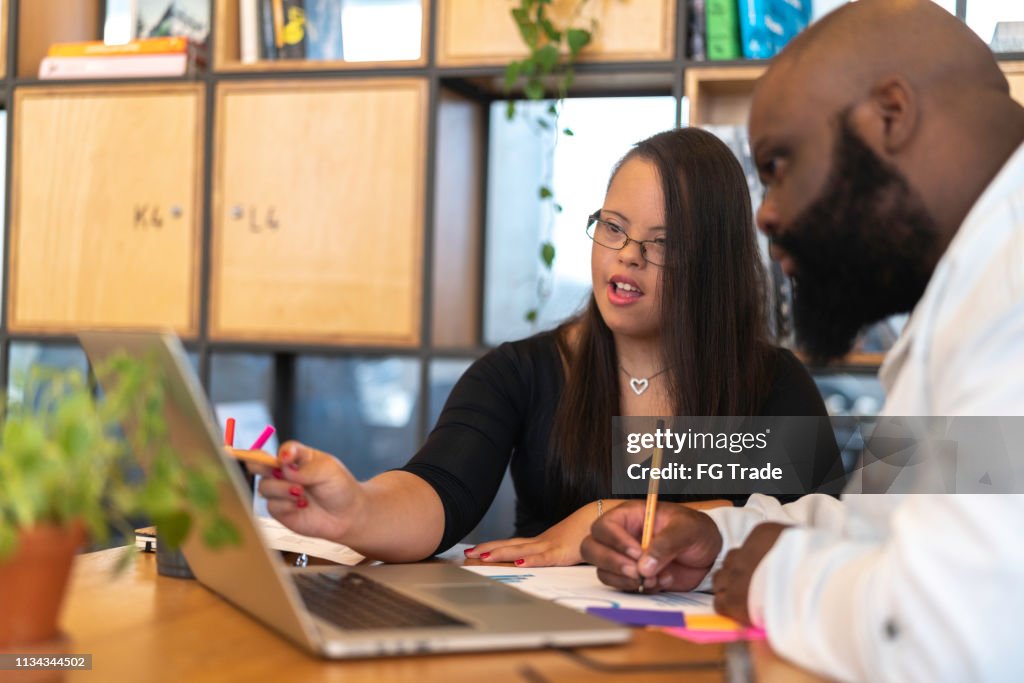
[547, 254]
[545, 192]
[578, 39]
[527, 29]
[173, 528]
[531, 315]
[552, 110]
[547, 58]
[512, 74]
[534, 90]
[544, 123]
[550, 31]
[200, 491]
[558, 207]
[567, 131]
[220, 533]
[510, 110]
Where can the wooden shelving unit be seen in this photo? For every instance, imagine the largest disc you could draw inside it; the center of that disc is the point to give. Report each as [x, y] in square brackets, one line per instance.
[328, 208]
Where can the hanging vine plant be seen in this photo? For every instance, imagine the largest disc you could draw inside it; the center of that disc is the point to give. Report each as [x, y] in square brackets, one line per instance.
[552, 52]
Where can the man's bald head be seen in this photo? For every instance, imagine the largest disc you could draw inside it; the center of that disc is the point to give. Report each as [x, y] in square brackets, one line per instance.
[861, 42]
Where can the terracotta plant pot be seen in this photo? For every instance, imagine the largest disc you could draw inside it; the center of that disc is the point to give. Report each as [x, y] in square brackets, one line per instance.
[33, 581]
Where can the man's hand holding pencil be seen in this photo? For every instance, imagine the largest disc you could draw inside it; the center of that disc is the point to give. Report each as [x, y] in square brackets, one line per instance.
[683, 547]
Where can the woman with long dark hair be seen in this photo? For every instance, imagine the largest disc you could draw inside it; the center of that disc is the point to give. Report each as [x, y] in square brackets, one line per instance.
[675, 325]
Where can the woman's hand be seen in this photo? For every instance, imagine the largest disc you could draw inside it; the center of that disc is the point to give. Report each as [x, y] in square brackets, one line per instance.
[311, 492]
[559, 546]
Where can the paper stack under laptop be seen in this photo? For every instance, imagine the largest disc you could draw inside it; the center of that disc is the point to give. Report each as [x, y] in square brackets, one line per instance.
[280, 537]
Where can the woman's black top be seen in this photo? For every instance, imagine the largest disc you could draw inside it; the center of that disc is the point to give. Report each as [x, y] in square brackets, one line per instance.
[502, 410]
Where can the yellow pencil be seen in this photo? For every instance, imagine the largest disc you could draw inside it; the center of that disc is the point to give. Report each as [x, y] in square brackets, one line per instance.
[652, 500]
[258, 457]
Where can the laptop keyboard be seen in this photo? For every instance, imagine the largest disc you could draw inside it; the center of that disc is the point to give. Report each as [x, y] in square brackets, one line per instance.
[353, 601]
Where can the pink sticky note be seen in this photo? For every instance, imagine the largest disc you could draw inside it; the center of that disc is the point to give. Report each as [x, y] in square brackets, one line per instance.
[706, 637]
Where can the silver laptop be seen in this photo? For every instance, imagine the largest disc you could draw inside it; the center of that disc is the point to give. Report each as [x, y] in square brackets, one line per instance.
[341, 612]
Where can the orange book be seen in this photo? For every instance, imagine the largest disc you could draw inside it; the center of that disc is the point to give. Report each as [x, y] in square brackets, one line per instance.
[142, 46]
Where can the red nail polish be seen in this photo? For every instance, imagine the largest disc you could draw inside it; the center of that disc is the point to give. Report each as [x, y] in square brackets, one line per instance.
[469, 550]
[520, 561]
[485, 556]
[295, 491]
[302, 502]
[278, 474]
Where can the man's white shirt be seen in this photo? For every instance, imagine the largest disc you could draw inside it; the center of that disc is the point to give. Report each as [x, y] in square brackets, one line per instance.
[917, 587]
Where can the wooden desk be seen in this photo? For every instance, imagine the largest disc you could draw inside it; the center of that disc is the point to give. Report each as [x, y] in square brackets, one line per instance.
[144, 627]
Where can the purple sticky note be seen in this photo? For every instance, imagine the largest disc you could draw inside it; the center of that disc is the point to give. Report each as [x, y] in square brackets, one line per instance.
[638, 617]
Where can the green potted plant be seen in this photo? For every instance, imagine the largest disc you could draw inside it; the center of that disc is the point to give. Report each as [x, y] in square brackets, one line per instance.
[553, 49]
[69, 472]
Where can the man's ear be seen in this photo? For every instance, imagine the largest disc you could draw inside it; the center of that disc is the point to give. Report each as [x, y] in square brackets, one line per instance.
[894, 102]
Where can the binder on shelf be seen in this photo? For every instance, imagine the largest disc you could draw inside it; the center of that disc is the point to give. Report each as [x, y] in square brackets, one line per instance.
[723, 29]
[767, 25]
[291, 42]
[248, 31]
[323, 30]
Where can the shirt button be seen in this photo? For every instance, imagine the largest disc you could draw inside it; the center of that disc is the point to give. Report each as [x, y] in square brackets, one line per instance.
[892, 631]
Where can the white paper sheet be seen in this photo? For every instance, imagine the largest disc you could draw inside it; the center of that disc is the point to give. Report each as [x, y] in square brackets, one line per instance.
[578, 587]
[280, 537]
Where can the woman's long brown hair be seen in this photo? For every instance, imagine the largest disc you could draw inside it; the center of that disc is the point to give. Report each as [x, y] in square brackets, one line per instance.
[713, 316]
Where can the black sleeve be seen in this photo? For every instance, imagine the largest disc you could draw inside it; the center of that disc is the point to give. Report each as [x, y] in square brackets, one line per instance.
[465, 456]
[794, 393]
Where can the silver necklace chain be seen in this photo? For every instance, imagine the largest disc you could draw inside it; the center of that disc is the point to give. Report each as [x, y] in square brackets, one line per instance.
[639, 384]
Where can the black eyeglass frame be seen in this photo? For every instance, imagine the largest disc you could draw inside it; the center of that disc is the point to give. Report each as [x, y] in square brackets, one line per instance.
[596, 218]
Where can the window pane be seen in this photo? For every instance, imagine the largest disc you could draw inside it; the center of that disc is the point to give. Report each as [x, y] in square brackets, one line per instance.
[822, 7]
[998, 22]
[444, 373]
[848, 397]
[518, 221]
[381, 30]
[26, 355]
[3, 183]
[241, 387]
[361, 410]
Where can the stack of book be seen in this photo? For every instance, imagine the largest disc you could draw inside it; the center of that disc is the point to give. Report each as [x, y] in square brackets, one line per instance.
[164, 56]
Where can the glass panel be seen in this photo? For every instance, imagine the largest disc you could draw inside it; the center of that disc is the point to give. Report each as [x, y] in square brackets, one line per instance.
[847, 397]
[820, 8]
[3, 183]
[241, 386]
[518, 221]
[26, 355]
[500, 520]
[999, 23]
[379, 30]
[443, 374]
[359, 409]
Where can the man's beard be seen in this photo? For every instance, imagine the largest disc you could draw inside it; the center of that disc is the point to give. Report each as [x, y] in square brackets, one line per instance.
[864, 250]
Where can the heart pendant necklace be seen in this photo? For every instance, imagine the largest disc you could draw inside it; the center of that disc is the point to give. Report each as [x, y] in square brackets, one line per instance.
[639, 384]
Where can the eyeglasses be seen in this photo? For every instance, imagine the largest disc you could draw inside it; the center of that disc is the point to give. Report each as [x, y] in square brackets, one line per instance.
[613, 237]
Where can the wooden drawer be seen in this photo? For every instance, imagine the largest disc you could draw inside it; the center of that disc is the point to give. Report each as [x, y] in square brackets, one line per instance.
[318, 211]
[105, 208]
[483, 32]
